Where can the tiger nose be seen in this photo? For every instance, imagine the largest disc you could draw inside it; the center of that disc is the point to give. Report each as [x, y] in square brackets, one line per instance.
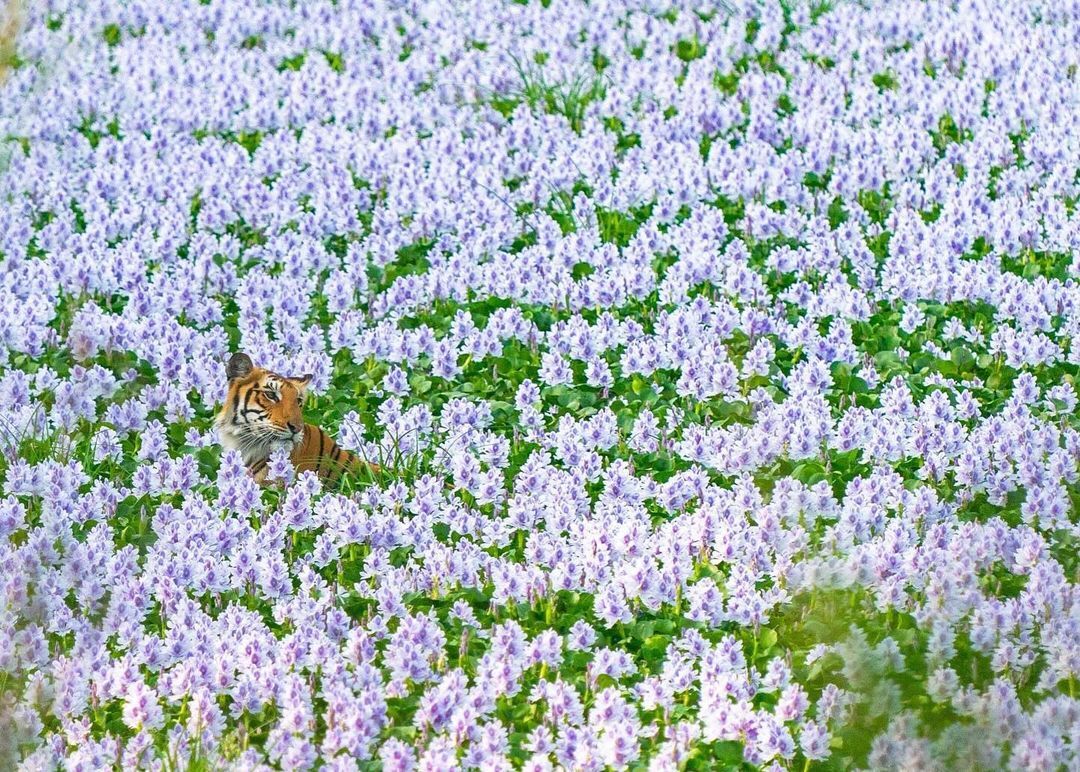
[294, 427]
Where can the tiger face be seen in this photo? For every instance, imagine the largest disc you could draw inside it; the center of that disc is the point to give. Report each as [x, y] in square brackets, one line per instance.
[261, 410]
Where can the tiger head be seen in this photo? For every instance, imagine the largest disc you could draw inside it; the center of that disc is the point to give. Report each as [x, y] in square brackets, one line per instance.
[261, 410]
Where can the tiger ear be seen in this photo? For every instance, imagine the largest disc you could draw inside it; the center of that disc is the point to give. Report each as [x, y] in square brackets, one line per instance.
[302, 382]
[238, 366]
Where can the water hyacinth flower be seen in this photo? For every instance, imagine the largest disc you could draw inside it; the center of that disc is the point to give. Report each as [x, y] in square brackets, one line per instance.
[722, 366]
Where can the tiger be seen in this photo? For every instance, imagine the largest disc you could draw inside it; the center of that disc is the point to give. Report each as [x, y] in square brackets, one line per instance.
[262, 412]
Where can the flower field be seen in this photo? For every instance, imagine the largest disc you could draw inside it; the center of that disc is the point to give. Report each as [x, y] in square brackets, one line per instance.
[719, 360]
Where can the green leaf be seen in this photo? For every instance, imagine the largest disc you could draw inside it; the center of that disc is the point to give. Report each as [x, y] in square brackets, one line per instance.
[766, 639]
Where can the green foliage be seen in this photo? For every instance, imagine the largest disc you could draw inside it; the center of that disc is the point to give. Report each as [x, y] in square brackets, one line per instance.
[111, 34]
[849, 622]
[886, 81]
[570, 99]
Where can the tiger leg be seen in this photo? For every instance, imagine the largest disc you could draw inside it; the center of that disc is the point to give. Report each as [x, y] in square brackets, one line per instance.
[259, 469]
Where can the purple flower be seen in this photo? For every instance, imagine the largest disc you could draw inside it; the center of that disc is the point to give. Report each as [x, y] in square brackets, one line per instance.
[581, 636]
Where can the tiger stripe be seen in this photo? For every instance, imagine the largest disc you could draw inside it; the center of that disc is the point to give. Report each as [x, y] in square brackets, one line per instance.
[325, 457]
[322, 438]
